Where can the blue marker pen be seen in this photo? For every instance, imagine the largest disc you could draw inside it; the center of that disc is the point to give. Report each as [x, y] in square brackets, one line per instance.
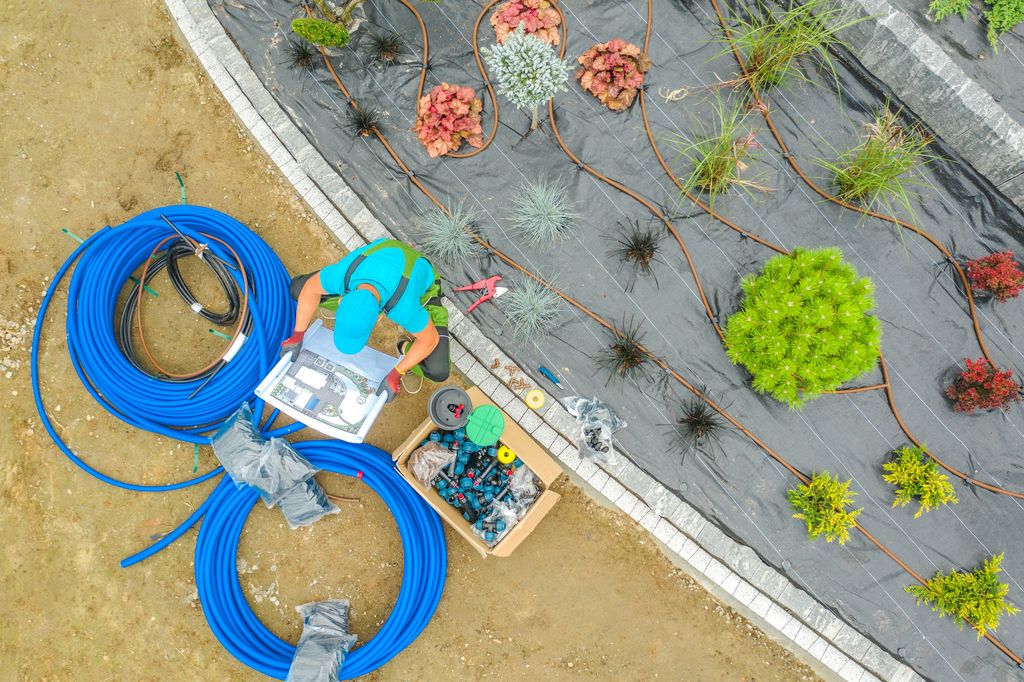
[549, 375]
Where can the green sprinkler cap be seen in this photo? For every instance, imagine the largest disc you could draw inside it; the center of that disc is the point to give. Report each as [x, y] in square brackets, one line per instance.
[485, 426]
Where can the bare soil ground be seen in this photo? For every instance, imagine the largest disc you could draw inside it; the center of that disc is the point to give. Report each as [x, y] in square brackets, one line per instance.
[99, 106]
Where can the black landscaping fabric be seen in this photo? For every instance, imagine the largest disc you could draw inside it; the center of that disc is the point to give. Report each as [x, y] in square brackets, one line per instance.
[1000, 73]
[927, 330]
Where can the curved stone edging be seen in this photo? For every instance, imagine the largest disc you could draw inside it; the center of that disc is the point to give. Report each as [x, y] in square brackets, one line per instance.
[729, 569]
[894, 49]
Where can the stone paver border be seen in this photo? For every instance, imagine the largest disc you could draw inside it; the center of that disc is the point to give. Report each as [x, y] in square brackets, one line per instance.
[731, 570]
[961, 112]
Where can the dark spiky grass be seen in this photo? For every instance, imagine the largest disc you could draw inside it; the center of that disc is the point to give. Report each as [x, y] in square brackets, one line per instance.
[638, 246]
[362, 122]
[625, 357]
[696, 426]
[448, 238]
[300, 54]
[386, 47]
[532, 310]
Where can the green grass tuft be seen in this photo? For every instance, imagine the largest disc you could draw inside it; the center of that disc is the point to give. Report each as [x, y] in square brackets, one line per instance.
[976, 598]
[447, 238]
[940, 9]
[532, 310]
[542, 212]
[916, 475]
[882, 170]
[1002, 17]
[822, 504]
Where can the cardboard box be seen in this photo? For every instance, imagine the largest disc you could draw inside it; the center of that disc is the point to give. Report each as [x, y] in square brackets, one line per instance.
[533, 455]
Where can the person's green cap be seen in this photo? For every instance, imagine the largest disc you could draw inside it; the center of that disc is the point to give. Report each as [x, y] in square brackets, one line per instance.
[357, 315]
[485, 426]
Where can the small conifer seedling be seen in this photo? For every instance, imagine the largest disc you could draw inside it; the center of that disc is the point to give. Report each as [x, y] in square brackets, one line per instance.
[822, 504]
[976, 598]
[321, 32]
[528, 70]
[804, 327]
[916, 476]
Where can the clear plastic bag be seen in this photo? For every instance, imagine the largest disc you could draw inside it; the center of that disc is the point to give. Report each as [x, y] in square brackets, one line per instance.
[525, 489]
[305, 504]
[597, 424]
[324, 643]
[427, 460]
[496, 525]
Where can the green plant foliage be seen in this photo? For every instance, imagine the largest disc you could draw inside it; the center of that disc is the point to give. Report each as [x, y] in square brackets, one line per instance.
[542, 212]
[916, 475]
[717, 152]
[804, 327]
[448, 238]
[772, 41]
[321, 32]
[528, 70]
[822, 506]
[532, 309]
[1002, 16]
[883, 168]
[976, 598]
[940, 9]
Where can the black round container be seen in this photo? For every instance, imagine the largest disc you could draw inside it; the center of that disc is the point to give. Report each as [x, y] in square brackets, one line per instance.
[444, 406]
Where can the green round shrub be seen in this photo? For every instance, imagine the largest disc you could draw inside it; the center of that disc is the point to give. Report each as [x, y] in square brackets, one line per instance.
[321, 32]
[804, 327]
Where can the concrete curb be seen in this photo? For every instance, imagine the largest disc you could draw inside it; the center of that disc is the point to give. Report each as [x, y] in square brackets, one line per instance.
[918, 71]
[731, 570]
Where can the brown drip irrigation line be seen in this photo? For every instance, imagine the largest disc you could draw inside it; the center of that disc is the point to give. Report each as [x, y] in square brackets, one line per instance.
[608, 326]
[791, 159]
[140, 299]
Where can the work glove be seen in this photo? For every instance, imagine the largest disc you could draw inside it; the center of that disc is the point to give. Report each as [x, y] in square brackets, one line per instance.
[392, 385]
[292, 346]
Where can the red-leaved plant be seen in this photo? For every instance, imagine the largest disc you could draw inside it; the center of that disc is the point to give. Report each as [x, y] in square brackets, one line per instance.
[538, 18]
[983, 387]
[998, 274]
[448, 116]
[613, 72]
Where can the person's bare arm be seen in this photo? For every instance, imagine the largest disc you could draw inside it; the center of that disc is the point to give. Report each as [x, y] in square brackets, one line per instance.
[425, 342]
[309, 299]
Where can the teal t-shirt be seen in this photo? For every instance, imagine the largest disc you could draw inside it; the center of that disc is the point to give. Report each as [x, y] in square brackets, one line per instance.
[383, 270]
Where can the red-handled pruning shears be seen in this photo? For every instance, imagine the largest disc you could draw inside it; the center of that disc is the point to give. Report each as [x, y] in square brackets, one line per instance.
[490, 284]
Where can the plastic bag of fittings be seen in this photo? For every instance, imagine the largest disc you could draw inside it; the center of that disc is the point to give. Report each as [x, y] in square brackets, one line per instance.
[597, 424]
[324, 643]
[272, 467]
[306, 504]
[496, 525]
[427, 460]
[525, 490]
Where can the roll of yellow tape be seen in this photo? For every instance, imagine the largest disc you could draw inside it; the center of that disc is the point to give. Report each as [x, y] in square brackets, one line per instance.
[535, 399]
[505, 455]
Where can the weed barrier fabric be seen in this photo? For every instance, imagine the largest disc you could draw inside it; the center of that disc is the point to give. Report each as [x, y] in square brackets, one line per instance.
[927, 329]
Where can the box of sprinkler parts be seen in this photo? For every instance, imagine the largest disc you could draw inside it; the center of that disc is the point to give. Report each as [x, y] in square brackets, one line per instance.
[492, 496]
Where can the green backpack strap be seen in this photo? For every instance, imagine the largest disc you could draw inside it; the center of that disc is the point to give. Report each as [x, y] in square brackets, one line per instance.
[408, 253]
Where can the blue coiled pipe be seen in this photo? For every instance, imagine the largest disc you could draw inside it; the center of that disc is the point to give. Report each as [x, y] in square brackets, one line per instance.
[104, 264]
[425, 564]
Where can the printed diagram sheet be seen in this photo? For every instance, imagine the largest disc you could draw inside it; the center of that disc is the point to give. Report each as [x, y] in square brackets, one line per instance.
[327, 390]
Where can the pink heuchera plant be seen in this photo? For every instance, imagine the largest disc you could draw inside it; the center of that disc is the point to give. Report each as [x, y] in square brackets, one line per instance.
[448, 116]
[613, 72]
[538, 18]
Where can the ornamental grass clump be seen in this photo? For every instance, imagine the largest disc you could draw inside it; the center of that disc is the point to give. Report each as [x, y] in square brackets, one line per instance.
[613, 72]
[448, 238]
[822, 505]
[625, 357]
[537, 17]
[804, 327]
[637, 246]
[697, 425]
[321, 32]
[976, 598]
[882, 170]
[300, 54]
[717, 153]
[542, 213]
[916, 476]
[386, 47]
[997, 274]
[532, 309]
[447, 116]
[983, 387]
[528, 70]
[773, 41]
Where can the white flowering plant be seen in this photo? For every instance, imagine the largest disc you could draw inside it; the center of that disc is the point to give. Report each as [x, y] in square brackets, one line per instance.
[528, 70]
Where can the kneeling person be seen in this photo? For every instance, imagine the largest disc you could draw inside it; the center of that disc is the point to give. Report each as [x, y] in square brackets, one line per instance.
[389, 277]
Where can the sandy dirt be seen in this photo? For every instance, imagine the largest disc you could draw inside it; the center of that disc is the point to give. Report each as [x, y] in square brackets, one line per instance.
[99, 107]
